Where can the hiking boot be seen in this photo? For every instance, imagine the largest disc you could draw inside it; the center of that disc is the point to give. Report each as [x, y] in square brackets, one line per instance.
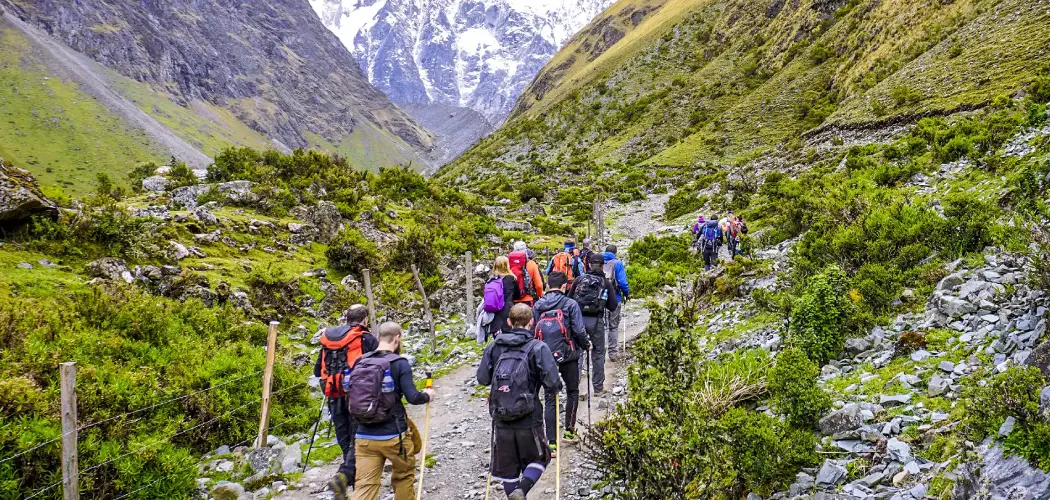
[570, 438]
[517, 494]
[338, 485]
[554, 450]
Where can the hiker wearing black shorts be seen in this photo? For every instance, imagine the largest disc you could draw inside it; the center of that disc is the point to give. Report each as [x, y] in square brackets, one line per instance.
[557, 321]
[516, 366]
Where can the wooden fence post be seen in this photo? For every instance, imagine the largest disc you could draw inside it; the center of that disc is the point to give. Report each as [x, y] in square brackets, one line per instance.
[469, 318]
[264, 414]
[426, 309]
[70, 470]
[367, 273]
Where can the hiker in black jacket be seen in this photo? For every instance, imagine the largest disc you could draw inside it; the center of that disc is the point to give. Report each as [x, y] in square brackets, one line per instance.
[594, 315]
[516, 366]
[566, 341]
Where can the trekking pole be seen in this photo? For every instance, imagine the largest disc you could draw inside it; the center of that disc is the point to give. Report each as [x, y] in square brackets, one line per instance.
[426, 431]
[588, 388]
[557, 445]
[488, 481]
[313, 435]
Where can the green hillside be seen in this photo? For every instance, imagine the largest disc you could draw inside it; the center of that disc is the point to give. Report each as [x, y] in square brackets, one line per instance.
[719, 81]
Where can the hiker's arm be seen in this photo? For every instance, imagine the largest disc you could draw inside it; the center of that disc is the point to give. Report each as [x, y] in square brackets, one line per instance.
[614, 298]
[369, 343]
[537, 279]
[549, 374]
[317, 365]
[408, 386]
[550, 267]
[485, 367]
[621, 279]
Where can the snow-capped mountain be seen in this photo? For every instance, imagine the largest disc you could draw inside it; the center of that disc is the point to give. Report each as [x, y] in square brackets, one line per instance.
[477, 54]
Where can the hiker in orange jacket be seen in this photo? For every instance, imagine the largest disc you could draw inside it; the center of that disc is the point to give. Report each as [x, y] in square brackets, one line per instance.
[530, 280]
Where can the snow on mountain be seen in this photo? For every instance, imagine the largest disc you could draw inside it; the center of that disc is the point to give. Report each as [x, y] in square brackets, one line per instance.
[478, 54]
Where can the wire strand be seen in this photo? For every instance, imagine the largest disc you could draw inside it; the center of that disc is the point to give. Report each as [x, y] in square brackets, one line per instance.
[46, 488]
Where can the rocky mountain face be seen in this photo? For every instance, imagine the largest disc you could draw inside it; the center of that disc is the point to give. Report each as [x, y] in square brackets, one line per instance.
[477, 54]
[271, 63]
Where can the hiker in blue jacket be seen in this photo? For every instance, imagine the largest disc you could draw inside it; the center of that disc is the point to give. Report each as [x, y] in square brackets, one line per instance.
[616, 272]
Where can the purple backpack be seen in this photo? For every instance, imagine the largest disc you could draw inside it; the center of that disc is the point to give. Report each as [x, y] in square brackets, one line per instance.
[494, 294]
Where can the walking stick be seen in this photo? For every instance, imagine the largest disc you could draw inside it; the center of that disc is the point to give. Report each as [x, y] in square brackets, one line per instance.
[557, 446]
[588, 388]
[426, 432]
[320, 411]
[488, 482]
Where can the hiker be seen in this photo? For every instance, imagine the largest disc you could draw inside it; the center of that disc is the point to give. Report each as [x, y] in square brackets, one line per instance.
[566, 262]
[558, 322]
[341, 346]
[596, 296]
[501, 289]
[710, 240]
[736, 229]
[378, 382]
[698, 228]
[585, 253]
[741, 230]
[527, 272]
[617, 274]
[516, 365]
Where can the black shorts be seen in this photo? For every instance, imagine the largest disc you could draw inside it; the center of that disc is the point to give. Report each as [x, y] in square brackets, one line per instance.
[515, 449]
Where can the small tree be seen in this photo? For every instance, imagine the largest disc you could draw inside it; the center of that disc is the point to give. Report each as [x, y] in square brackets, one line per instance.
[793, 385]
[822, 316]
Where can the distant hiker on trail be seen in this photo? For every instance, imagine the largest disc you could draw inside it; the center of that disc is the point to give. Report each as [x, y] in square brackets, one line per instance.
[516, 365]
[740, 229]
[567, 262]
[596, 295]
[558, 322]
[617, 274]
[501, 289]
[733, 236]
[527, 271]
[710, 240]
[378, 381]
[341, 346]
[585, 254]
[697, 227]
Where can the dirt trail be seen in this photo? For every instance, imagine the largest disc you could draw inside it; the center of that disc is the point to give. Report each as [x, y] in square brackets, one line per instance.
[460, 424]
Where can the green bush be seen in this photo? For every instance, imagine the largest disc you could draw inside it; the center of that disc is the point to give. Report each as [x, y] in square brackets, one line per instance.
[794, 390]
[415, 247]
[350, 252]
[530, 190]
[1014, 392]
[181, 175]
[821, 317]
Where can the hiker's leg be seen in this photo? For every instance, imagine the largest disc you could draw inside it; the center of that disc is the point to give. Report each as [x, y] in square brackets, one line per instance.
[598, 352]
[570, 374]
[536, 455]
[370, 460]
[506, 467]
[344, 435]
[612, 344]
[550, 415]
[404, 465]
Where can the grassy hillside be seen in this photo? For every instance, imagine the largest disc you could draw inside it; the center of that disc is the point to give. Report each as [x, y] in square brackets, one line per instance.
[724, 81]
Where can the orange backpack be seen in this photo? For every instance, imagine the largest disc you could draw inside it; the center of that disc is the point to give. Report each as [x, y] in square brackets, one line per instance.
[563, 264]
[338, 356]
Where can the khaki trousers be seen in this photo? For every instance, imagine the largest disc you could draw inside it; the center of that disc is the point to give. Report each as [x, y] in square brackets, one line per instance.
[372, 456]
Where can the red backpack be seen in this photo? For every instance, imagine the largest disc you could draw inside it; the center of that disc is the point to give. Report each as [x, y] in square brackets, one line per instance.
[337, 356]
[519, 266]
[552, 331]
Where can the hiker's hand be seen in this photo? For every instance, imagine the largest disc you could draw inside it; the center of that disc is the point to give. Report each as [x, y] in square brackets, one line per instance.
[429, 391]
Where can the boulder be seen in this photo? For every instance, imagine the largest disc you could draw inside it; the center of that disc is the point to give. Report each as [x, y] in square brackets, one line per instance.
[178, 250]
[227, 491]
[846, 419]
[20, 197]
[857, 345]
[894, 400]
[938, 385]
[954, 307]
[1040, 358]
[109, 269]
[325, 218]
[1044, 403]
[831, 473]
[205, 217]
[898, 450]
[234, 191]
[291, 458]
[951, 282]
[155, 184]
[996, 476]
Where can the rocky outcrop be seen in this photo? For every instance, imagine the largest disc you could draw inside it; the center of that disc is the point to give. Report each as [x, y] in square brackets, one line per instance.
[20, 197]
[1000, 477]
[234, 192]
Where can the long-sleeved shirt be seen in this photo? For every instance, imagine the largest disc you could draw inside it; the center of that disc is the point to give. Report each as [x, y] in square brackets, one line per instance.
[619, 276]
[405, 387]
[556, 299]
[543, 371]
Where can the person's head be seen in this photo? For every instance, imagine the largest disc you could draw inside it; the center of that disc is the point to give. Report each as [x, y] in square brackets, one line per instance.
[520, 246]
[569, 245]
[596, 260]
[358, 313]
[520, 316]
[588, 242]
[557, 281]
[611, 249]
[701, 219]
[502, 266]
[714, 217]
[390, 337]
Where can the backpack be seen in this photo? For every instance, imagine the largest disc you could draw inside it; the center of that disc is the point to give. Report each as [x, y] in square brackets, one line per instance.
[519, 265]
[610, 272]
[584, 257]
[551, 330]
[371, 402]
[337, 356]
[563, 263]
[743, 227]
[591, 293]
[494, 298]
[711, 232]
[511, 397]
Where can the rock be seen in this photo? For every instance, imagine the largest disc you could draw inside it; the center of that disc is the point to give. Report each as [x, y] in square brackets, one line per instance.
[205, 217]
[1007, 427]
[261, 460]
[1040, 358]
[918, 491]
[831, 473]
[326, 218]
[996, 476]
[857, 345]
[224, 466]
[946, 366]
[894, 400]
[954, 307]
[846, 419]
[234, 191]
[900, 477]
[951, 282]
[227, 491]
[222, 450]
[872, 480]
[920, 355]
[178, 250]
[291, 458]
[1044, 403]
[20, 197]
[24, 265]
[155, 184]
[938, 385]
[898, 450]
[109, 269]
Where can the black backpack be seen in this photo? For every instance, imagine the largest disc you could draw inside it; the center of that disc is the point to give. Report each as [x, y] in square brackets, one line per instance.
[368, 402]
[551, 330]
[511, 397]
[591, 293]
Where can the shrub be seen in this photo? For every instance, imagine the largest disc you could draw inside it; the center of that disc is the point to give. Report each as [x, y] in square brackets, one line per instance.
[794, 390]
[350, 252]
[821, 317]
[415, 247]
[139, 174]
[181, 175]
[1014, 392]
[530, 190]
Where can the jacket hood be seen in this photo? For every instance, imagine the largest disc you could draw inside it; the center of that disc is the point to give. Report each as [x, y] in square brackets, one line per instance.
[609, 256]
[711, 223]
[514, 337]
[549, 300]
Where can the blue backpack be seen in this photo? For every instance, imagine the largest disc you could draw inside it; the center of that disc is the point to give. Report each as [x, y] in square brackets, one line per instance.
[711, 233]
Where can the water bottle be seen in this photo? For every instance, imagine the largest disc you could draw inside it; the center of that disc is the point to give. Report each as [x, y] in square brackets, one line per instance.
[388, 381]
[346, 379]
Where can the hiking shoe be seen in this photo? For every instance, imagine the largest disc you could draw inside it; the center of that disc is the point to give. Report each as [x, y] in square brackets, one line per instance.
[554, 450]
[338, 485]
[517, 494]
[570, 438]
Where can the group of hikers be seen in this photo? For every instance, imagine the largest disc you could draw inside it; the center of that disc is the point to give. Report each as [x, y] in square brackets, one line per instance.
[539, 326]
[710, 234]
